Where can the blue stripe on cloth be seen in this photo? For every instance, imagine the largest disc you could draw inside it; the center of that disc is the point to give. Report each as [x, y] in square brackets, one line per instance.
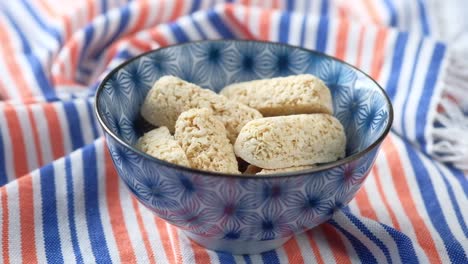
[92, 119]
[71, 210]
[270, 257]
[322, 32]
[454, 249]
[285, 20]
[74, 126]
[454, 203]
[36, 66]
[303, 28]
[290, 6]
[362, 251]
[225, 258]
[393, 14]
[397, 63]
[91, 199]
[88, 36]
[424, 22]
[247, 259]
[404, 245]
[461, 178]
[3, 175]
[195, 6]
[413, 73]
[52, 243]
[219, 25]
[199, 29]
[428, 91]
[52, 31]
[103, 7]
[123, 23]
[370, 235]
[179, 33]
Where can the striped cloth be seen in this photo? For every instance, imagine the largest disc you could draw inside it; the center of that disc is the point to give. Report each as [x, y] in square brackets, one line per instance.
[61, 199]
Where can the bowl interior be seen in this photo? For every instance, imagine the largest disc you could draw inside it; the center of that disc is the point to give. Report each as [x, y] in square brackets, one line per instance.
[359, 103]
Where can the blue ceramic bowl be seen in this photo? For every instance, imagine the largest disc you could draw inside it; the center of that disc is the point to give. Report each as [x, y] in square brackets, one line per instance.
[233, 213]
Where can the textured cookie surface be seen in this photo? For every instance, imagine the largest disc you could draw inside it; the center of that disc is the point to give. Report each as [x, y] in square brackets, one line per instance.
[170, 96]
[290, 169]
[298, 94]
[204, 139]
[291, 141]
[160, 144]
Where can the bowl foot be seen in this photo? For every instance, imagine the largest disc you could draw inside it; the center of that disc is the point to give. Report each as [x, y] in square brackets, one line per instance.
[237, 247]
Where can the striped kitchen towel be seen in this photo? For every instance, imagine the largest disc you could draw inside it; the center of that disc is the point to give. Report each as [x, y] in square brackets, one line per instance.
[61, 200]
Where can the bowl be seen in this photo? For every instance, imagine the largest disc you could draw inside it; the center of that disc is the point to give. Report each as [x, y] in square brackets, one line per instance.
[241, 214]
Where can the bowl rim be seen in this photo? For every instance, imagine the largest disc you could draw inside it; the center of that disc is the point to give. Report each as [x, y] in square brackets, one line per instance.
[319, 168]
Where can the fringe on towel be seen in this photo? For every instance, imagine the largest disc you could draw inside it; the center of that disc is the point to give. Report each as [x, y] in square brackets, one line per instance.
[450, 132]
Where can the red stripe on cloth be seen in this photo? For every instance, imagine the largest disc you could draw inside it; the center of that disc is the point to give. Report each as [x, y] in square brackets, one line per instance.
[73, 47]
[241, 27]
[26, 201]
[276, 4]
[315, 248]
[20, 158]
[140, 44]
[372, 11]
[142, 16]
[360, 47]
[200, 254]
[177, 9]
[293, 250]
[338, 248]
[15, 72]
[379, 53]
[5, 226]
[91, 9]
[54, 126]
[164, 238]
[122, 238]
[423, 235]
[395, 223]
[342, 39]
[176, 243]
[157, 36]
[37, 142]
[144, 233]
[364, 205]
[265, 22]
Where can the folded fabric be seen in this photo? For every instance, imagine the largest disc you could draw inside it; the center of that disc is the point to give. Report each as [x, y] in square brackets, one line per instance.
[62, 201]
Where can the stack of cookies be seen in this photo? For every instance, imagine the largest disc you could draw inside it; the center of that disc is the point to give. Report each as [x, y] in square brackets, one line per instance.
[275, 125]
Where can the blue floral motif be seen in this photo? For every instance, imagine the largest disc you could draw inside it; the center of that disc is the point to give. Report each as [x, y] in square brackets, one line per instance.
[271, 224]
[159, 64]
[284, 61]
[337, 76]
[229, 205]
[247, 62]
[138, 79]
[233, 231]
[341, 179]
[187, 71]
[348, 102]
[304, 207]
[371, 120]
[118, 93]
[153, 191]
[269, 193]
[192, 189]
[194, 218]
[213, 60]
